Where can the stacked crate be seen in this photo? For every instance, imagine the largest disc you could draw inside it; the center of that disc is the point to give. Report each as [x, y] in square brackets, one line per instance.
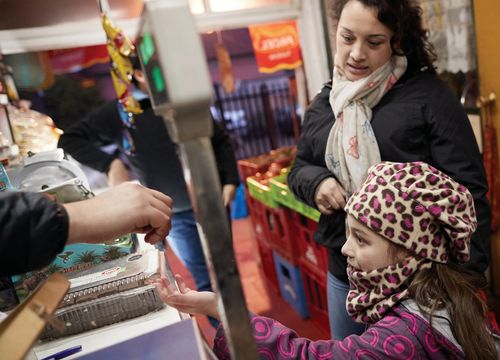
[263, 210]
[292, 262]
[259, 215]
[276, 230]
[312, 258]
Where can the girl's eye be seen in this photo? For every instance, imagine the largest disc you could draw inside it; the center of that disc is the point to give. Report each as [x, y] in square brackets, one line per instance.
[374, 44]
[360, 240]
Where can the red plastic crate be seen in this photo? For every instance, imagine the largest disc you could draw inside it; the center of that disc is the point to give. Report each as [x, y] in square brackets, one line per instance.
[283, 233]
[251, 166]
[276, 227]
[248, 168]
[314, 254]
[259, 218]
[315, 290]
[267, 265]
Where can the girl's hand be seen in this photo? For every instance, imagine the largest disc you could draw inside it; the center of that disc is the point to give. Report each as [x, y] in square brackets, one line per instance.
[330, 196]
[187, 300]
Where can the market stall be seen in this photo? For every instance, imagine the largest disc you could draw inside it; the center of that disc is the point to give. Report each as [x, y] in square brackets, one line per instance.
[185, 110]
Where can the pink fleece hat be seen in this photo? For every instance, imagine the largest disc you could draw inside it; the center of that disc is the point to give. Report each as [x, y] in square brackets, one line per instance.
[418, 207]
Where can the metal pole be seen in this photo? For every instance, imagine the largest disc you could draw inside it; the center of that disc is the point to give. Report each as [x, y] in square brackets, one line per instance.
[103, 6]
[220, 107]
[292, 90]
[208, 7]
[268, 116]
[200, 171]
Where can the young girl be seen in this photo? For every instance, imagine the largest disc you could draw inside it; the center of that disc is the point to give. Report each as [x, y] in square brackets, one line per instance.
[408, 227]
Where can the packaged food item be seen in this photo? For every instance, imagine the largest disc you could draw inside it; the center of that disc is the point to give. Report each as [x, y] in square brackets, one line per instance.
[73, 258]
[33, 131]
[109, 293]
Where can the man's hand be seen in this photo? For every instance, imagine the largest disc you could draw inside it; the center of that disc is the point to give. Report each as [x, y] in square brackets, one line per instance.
[124, 209]
[117, 173]
[187, 300]
[329, 196]
[228, 192]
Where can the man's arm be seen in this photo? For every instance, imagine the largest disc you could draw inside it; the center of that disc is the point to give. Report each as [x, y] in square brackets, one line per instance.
[35, 229]
[127, 208]
[224, 155]
[226, 163]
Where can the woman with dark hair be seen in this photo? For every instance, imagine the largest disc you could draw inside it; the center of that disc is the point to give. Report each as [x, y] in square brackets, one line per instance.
[386, 103]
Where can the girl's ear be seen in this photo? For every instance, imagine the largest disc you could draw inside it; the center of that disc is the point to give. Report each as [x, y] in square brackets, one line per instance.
[398, 253]
[403, 253]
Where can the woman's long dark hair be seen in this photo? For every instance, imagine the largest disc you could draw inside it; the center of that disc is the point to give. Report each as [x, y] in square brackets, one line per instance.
[404, 19]
[450, 287]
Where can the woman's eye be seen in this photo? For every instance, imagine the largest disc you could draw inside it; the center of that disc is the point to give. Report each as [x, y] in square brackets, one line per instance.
[360, 240]
[374, 44]
[347, 38]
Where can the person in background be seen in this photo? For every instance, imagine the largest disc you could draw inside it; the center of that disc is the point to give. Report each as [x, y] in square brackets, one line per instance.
[409, 227]
[35, 229]
[156, 165]
[385, 102]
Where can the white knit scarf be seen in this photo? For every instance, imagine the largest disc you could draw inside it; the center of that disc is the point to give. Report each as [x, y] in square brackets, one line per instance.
[352, 147]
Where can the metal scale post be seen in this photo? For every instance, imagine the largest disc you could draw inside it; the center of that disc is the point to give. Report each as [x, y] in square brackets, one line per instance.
[173, 60]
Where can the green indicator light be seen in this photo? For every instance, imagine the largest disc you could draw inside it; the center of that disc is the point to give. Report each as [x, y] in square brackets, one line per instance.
[143, 53]
[158, 79]
[147, 47]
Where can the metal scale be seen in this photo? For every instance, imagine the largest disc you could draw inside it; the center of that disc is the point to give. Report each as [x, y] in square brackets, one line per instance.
[51, 172]
[172, 57]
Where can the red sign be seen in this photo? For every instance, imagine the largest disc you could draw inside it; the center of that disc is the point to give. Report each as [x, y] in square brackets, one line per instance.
[276, 46]
[70, 60]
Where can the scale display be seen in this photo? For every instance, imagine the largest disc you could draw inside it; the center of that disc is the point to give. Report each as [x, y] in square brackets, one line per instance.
[176, 70]
[152, 69]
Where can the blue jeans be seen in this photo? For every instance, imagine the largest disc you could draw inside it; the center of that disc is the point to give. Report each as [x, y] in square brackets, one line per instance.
[186, 245]
[341, 325]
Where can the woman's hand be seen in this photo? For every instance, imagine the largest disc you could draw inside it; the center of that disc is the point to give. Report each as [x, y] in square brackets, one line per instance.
[329, 196]
[187, 300]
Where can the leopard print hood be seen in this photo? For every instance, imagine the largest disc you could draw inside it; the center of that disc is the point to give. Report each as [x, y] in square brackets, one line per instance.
[415, 206]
